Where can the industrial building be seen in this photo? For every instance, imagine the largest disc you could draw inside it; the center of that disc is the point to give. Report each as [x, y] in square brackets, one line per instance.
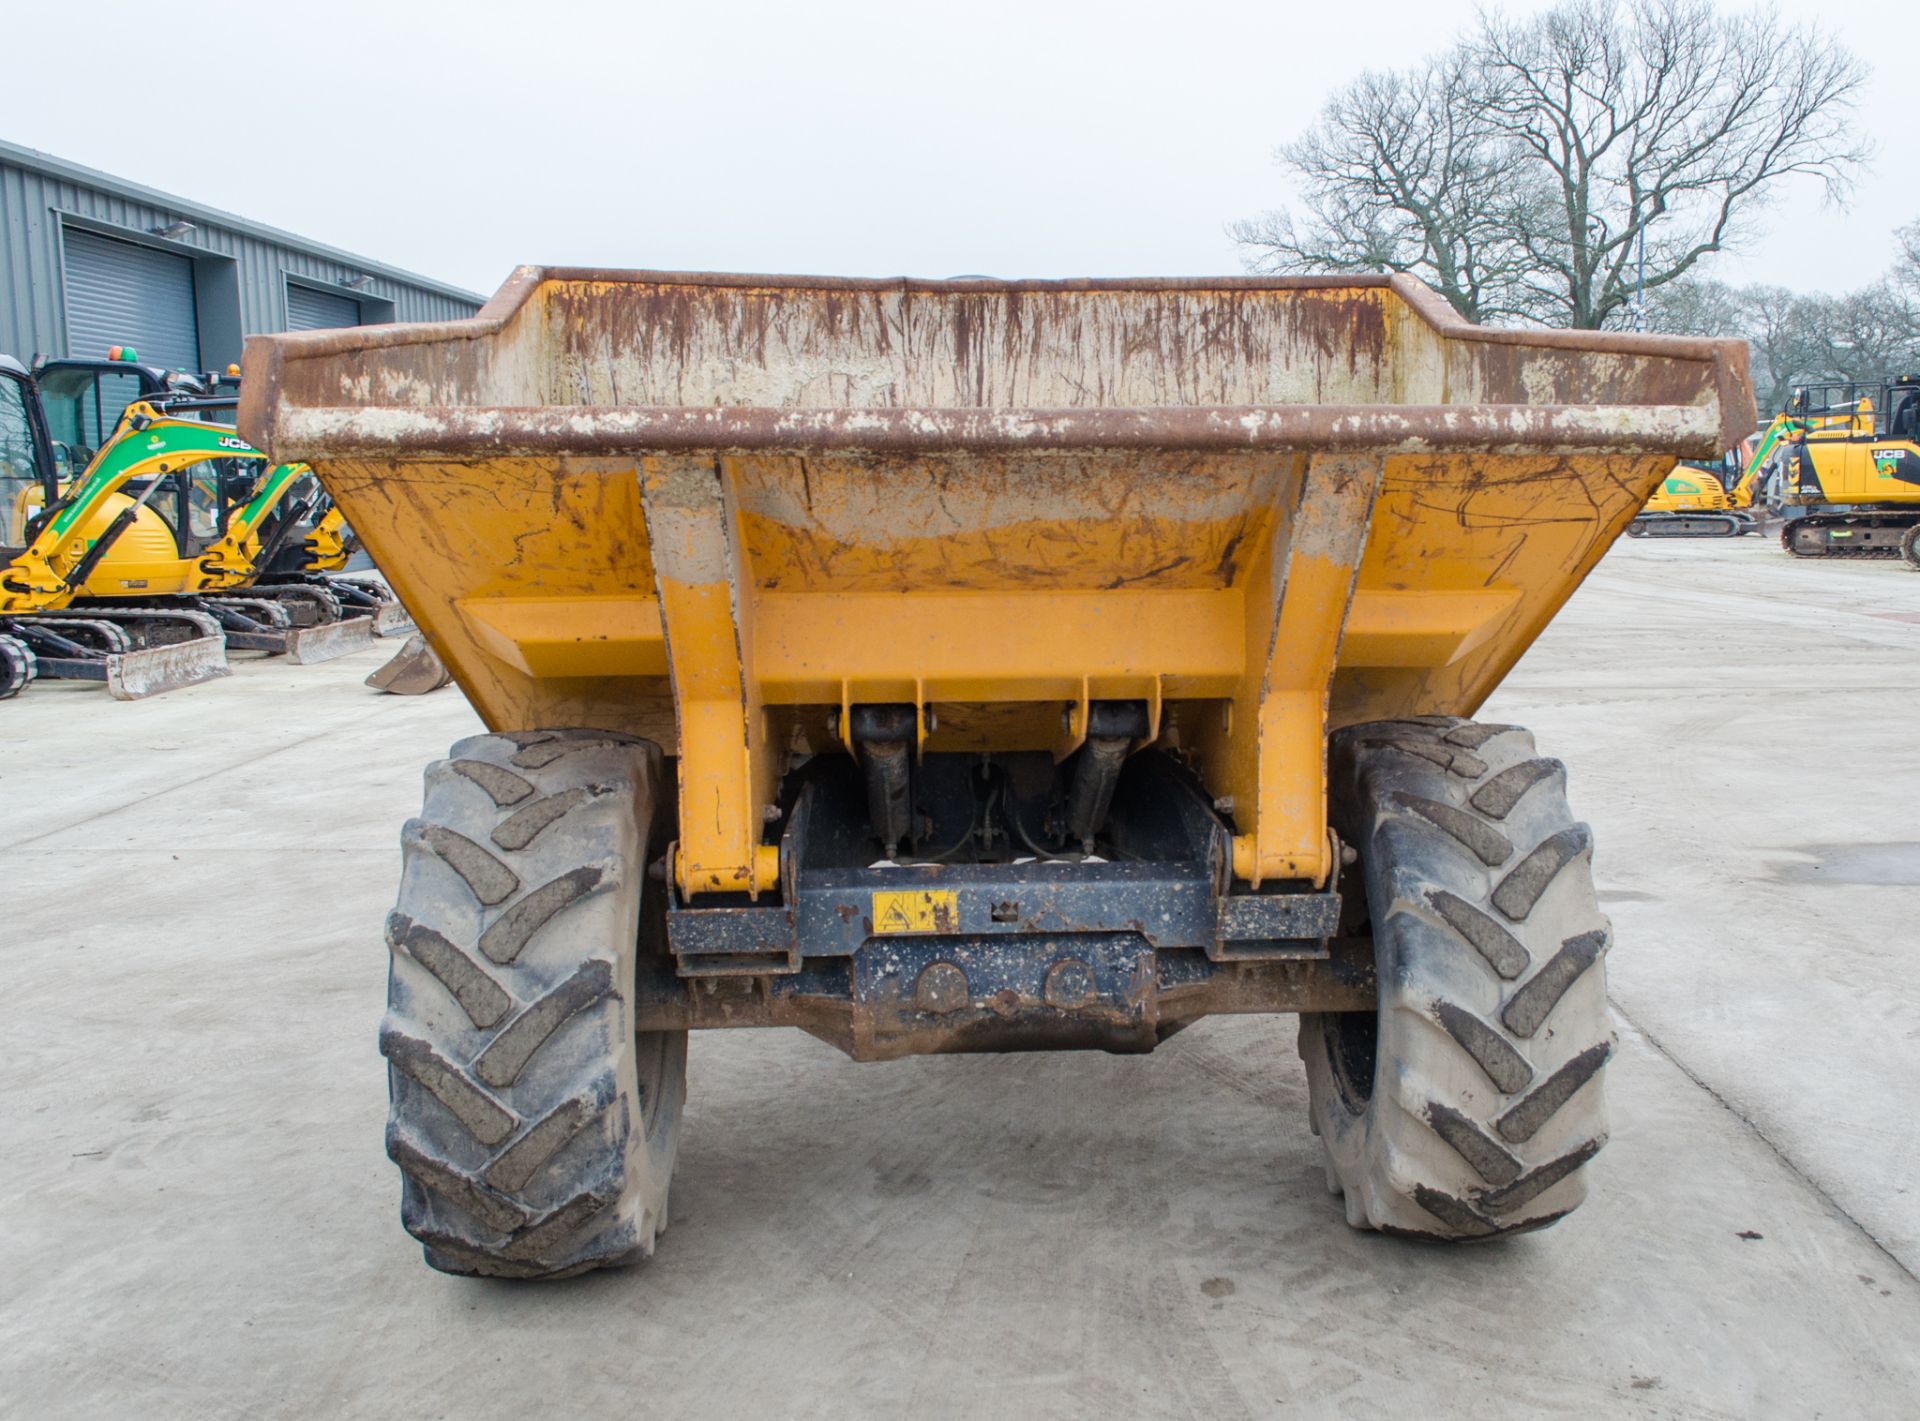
[89, 261]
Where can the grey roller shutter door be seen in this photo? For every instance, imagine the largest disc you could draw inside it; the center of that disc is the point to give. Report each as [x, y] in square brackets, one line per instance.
[121, 293]
[311, 310]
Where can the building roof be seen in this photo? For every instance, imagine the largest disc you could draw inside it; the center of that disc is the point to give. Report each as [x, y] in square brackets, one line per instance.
[202, 215]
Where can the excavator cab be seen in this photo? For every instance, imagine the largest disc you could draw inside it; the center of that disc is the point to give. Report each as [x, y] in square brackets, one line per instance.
[26, 457]
[1836, 410]
[1904, 421]
[84, 398]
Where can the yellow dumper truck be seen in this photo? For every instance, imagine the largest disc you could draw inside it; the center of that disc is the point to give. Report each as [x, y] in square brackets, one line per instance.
[979, 666]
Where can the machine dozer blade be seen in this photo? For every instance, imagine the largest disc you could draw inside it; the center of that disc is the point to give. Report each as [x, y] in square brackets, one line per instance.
[309, 646]
[135, 675]
[135, 651]
[392, 620]
[414, 670]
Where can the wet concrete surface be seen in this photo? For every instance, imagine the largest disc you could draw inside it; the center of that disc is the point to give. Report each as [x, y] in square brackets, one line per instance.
[197, 1218]
[1894, 865]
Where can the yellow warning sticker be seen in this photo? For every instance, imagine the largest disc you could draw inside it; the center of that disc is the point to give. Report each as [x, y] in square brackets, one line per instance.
[926, 910]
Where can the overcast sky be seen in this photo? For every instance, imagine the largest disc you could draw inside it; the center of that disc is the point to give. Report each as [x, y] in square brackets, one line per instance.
[823, 136]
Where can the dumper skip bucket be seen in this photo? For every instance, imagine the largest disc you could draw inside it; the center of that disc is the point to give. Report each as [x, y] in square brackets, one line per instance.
[721, 512]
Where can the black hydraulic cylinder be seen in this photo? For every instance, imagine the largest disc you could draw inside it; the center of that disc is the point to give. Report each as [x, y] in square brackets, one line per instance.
[1112, 727]
[885, 735]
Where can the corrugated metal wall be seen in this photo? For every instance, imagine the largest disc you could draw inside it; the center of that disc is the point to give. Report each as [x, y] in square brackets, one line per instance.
[35, 199]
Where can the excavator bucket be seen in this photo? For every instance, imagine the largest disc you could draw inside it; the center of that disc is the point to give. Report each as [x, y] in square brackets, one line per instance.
[413, 671]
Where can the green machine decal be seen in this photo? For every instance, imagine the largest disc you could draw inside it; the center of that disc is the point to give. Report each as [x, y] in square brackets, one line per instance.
[125, 456]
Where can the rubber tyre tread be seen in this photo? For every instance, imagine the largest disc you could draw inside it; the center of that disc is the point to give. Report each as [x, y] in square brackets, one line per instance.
[1486, 1099]
[534, 1130]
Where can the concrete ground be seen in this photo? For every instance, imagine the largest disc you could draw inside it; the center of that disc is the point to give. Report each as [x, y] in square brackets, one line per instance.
[197, 1220]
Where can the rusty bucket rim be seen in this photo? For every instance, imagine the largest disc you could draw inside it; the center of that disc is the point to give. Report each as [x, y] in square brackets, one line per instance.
[436, 431]
[266, 354]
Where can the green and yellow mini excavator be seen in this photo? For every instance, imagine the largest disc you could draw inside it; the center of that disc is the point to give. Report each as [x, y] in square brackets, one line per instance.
[178, 542]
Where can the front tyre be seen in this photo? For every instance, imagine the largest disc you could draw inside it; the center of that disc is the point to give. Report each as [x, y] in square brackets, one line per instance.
[1467, 1105]
[535, 1132]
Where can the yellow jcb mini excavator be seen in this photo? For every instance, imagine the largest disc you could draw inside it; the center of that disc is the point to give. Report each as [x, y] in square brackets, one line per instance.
[1691, 502]
[1696, 501]
[143, 571]
[135, 654]
[1856, 471]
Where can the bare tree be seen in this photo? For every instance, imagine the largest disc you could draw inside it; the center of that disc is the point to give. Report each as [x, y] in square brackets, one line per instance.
[1546, 169]
[1907, 269]
[1658, 122]
[1903, 283]
[1401, 174]
[1864, 336]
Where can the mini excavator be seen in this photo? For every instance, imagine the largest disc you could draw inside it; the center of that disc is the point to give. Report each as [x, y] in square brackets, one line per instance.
[1701, 500]
[177, 543]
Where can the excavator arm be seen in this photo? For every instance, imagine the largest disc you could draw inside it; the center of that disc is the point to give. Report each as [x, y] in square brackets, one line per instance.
[1742, 494]
[331, 542]
[242, 553]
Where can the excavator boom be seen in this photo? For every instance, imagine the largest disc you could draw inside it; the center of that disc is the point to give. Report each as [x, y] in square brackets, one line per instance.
[1741, 495]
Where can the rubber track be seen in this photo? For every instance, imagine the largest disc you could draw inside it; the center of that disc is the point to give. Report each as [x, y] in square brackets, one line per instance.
[1831, 549]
